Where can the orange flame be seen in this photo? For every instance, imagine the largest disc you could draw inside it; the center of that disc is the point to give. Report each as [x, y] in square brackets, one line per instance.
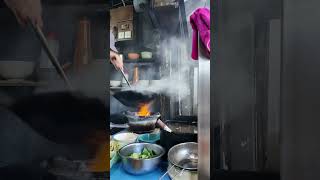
[144, 110]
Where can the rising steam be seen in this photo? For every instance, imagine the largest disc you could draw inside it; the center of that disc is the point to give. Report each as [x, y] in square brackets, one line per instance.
[175, 82]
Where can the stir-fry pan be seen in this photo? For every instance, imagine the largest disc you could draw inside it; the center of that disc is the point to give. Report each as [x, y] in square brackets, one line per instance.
[132, 98]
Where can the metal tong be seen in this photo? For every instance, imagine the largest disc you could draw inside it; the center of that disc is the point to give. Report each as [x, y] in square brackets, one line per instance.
[124, 76]
[51, 56]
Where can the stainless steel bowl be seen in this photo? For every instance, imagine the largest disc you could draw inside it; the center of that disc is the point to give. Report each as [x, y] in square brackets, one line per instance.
[184, 156]
[140, 166]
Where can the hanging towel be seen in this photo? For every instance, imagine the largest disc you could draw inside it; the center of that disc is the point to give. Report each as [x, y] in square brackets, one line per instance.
[200, 22]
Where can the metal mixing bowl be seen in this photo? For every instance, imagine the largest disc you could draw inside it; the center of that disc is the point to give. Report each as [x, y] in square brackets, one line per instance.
[140, 166]
[184, 156]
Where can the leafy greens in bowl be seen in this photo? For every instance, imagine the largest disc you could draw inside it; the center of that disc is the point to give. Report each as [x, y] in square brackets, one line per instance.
[145, 154]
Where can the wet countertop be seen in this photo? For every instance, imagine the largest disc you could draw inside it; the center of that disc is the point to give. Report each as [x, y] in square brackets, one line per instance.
[117, 172]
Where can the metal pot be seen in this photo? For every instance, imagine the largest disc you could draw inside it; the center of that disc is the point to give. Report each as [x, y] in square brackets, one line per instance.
[140, 166]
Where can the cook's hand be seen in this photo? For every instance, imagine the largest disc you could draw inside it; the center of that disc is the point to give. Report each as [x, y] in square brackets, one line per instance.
[116, 60]
[25, 10]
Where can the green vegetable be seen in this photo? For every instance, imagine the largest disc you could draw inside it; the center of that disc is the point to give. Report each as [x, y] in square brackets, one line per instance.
[135, 155]
[145, 154]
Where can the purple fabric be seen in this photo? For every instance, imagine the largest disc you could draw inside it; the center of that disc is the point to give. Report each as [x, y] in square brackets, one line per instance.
[200, 22]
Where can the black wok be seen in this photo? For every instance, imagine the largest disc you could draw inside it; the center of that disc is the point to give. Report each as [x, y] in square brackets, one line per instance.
[131, 98]
[62, 117]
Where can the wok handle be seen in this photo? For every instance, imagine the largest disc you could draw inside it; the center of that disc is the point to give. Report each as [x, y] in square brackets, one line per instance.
[163, 126]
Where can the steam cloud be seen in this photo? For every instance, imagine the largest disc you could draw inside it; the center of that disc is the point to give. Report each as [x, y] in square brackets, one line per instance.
[177, 82]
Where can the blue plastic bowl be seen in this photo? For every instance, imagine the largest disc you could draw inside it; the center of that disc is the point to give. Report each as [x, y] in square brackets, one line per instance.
[149, 138]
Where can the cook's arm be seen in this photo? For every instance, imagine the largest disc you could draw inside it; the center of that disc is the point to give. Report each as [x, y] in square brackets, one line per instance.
[116, 60]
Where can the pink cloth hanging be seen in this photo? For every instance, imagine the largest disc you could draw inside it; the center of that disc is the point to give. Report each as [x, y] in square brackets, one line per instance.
[200, 22]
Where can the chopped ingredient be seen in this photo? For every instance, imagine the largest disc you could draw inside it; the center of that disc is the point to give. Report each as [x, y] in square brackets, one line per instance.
[145, 154]
[114, 147]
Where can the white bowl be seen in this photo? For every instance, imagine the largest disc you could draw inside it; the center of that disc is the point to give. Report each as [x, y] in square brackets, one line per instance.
[125, 138]
[115, 83]
[146, 55]
[154, 82]
[143, 83]
[16, 69]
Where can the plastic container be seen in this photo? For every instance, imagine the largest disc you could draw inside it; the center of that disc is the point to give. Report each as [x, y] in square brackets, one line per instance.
[133, 56]
[149, 138]
[146, 55]
[125, 138]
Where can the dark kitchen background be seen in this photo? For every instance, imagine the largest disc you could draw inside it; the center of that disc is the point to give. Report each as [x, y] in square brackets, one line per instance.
[265, 88]
[245, 91]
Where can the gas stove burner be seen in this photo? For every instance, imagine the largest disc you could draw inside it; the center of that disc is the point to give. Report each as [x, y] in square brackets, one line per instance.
[142, 124]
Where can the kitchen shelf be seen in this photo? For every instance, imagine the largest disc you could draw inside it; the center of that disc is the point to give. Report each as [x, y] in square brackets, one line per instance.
[74, 2]
[125, 43]
[17, 83]
[116, 88]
